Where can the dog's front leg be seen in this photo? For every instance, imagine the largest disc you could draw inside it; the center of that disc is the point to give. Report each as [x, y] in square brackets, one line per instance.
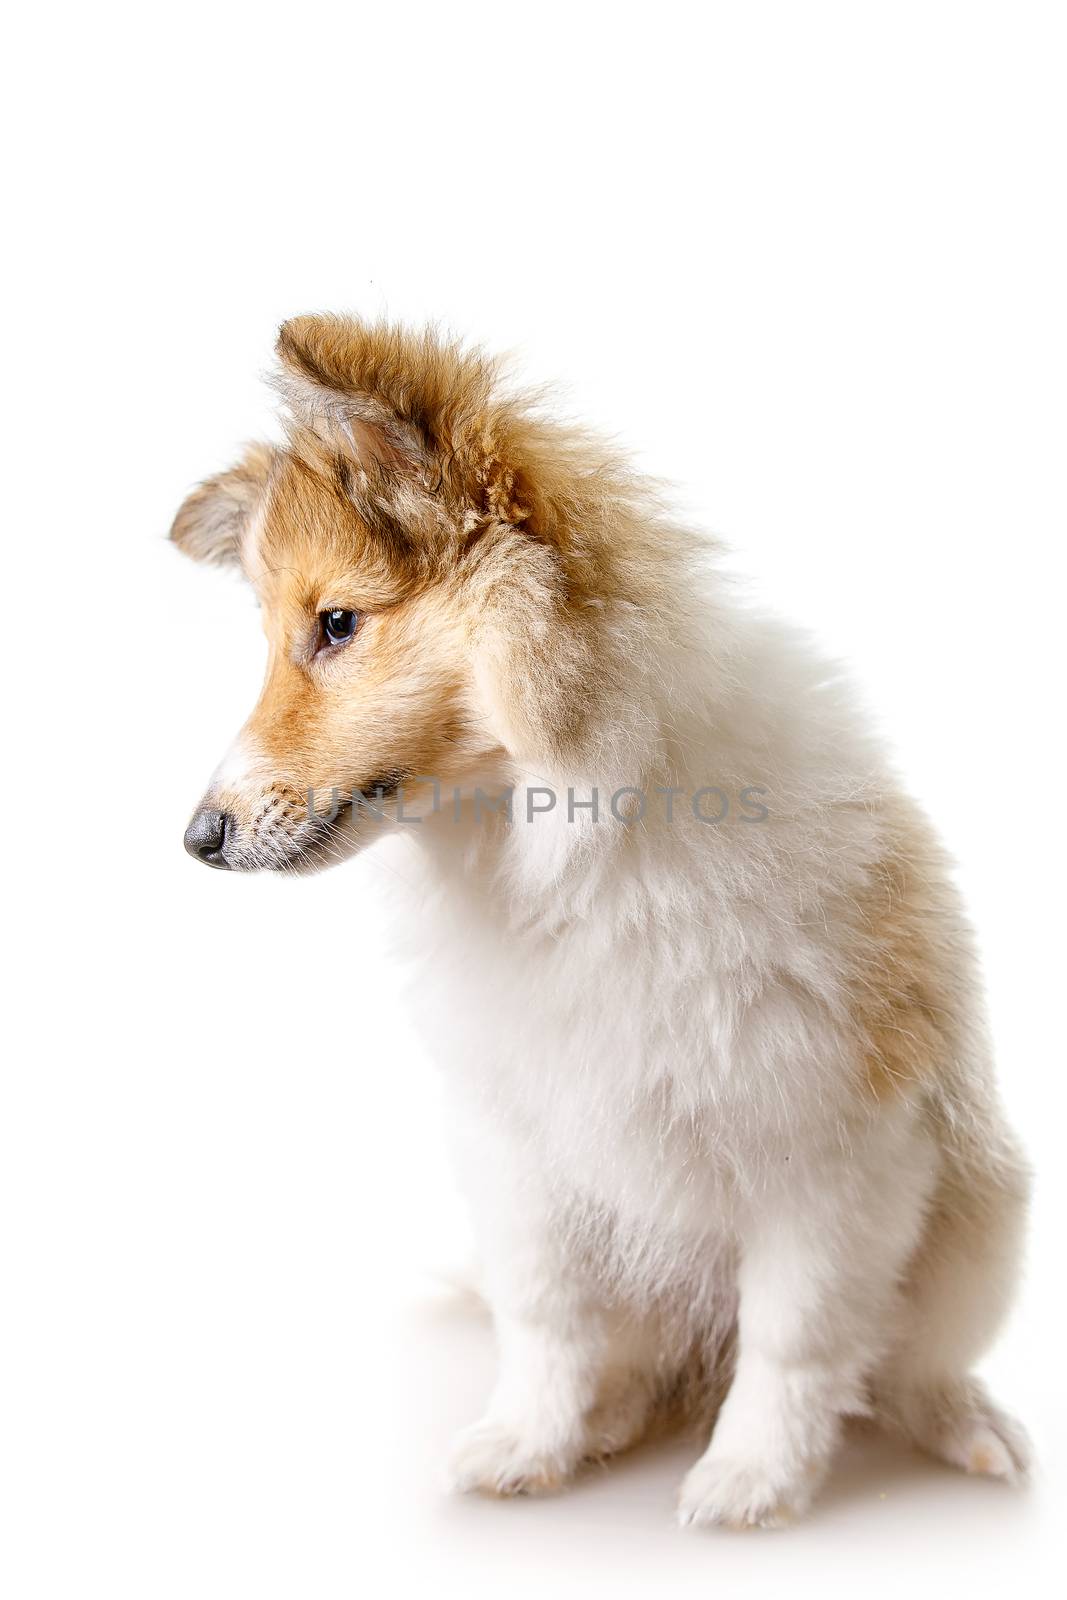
[822, 1250]
[552, 1336]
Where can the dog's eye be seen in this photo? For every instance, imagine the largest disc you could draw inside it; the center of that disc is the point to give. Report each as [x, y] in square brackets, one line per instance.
[338, 626]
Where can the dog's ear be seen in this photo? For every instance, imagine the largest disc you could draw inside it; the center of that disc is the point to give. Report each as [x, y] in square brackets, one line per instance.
[403, 405]
[411, 408]
[211, 522]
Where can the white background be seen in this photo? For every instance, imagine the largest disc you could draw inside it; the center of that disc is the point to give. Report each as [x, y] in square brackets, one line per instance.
[810, 261]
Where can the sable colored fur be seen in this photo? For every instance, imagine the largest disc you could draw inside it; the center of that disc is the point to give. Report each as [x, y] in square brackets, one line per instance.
[723, 1089]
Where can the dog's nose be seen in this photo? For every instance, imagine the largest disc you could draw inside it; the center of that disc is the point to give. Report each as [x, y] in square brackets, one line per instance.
[206, 835]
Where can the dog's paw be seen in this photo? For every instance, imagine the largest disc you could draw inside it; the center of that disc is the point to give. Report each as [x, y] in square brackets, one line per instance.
[738, 1493]
[492, 1458]
[985, 1441]
[961, 1425]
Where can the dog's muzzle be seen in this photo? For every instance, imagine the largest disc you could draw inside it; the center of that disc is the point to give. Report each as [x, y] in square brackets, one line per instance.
[205, 837]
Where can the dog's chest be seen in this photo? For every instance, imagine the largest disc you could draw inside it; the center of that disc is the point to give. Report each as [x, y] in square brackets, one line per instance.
[660, 1073]
[635, 1099]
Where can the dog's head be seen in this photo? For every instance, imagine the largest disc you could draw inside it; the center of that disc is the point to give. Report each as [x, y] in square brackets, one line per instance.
[444, 578]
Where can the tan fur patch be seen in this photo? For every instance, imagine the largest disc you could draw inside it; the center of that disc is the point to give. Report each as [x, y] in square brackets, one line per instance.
[905, 990]
[453, 478]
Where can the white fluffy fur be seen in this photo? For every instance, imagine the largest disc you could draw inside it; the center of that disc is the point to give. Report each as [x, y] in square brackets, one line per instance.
[656, 1104]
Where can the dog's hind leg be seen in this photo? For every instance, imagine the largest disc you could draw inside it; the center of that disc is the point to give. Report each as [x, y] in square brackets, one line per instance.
[955, 1296]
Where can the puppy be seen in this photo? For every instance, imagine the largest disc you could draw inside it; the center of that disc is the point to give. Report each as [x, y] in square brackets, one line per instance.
[695, 965]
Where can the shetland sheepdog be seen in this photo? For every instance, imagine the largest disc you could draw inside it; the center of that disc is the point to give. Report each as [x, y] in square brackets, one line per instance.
[695, 967]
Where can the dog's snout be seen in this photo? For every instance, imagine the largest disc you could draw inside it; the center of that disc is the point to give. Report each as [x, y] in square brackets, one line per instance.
[205, 837]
